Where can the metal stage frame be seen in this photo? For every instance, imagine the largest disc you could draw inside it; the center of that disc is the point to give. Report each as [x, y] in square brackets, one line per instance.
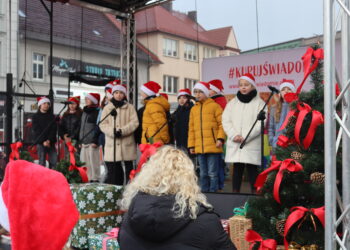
[123, 10]
[337, 206]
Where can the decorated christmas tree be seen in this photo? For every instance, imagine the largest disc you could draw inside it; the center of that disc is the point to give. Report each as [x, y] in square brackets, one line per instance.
[290, 204]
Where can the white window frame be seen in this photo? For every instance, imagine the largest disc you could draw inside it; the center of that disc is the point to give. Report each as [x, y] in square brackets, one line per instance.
[189, 83]
[191, 52]
[209, 52]
[170, 84]
[36, 65]
[170, 47]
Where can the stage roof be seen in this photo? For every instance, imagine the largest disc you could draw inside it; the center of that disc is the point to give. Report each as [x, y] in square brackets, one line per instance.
[123, 6]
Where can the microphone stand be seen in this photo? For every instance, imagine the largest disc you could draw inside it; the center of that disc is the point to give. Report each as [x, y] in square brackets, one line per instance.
[260, 117]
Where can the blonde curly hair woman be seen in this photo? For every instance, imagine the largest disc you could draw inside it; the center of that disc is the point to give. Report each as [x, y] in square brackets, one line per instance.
[166, 209]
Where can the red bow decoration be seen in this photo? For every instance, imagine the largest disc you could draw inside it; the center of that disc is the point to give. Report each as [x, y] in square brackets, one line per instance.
[308, 69]
[253, 237]
[15, 150]
[147, 151]
[111, 234]
[283, 141]
[73, 166]
[317, 119]
[288, 164]
[298, 213]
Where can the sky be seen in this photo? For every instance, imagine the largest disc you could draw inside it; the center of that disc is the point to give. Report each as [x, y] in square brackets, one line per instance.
[278, 20]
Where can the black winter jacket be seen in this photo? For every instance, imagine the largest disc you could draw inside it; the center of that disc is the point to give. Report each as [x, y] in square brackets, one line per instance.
[70, 124]
[149, 224]
[89, 130]
[40, 129]
[181, 118]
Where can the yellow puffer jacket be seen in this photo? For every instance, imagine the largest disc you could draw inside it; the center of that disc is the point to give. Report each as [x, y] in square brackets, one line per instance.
[154, 121]
[205, 127]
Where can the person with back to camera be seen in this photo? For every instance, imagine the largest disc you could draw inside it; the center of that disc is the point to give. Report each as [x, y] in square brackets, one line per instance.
[238, 117]
[165, 209]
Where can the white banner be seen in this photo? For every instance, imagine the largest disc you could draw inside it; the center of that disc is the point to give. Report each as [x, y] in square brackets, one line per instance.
[268, 68]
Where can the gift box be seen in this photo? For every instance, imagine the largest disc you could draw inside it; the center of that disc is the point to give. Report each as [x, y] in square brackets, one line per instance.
[99, 208]
[238, 228]
[96, 242]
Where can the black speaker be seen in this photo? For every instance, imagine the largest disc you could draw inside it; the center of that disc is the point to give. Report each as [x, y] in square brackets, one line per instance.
[224, 203]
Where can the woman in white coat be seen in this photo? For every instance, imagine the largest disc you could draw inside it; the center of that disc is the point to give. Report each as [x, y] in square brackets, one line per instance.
[237, 119]
[119, 131]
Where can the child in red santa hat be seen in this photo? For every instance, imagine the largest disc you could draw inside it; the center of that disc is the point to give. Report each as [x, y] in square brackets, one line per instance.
[89, 137]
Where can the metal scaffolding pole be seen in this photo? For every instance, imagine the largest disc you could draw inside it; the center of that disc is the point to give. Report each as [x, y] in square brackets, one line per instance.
[128, 56]
[333, 200]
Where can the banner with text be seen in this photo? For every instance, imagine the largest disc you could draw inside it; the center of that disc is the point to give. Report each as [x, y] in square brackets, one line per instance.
[268, 68]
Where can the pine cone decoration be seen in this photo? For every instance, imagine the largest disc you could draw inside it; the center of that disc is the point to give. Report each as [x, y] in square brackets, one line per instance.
[280, 226]
[317, 178]
[295, 155]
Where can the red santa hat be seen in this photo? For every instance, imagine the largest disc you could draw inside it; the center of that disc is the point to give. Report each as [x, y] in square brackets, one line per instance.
[202, 86]
[36, 207]
[94, 97]
[120, 87]
[150, 88]
[216, 85]
[288, 83]
[250, 78]
[109, 93]
[75, 99]
[42, 99]
[182, 92]
[109, 85]
[164, 95]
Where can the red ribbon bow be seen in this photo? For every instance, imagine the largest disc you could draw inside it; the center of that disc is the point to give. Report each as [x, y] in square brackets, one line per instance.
[297, 214]
[111, 234]
[15, 150]
[317, 119]
[308, 69]
[283, 141]
[147, 151]
[73, 166]
[253, 237]
[288, 164]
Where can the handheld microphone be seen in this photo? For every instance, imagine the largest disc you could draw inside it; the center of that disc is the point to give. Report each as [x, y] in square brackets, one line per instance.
[273, 89]
[67, 102]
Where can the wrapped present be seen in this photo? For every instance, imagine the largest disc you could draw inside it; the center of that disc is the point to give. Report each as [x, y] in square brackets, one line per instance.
[99, 207]
[106, 241]
[238, 228]
[226, 225]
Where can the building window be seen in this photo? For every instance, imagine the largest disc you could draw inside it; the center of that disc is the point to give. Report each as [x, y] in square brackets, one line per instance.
[190, 52]
[189, 83]
[170, 47]
[209, 52]
[170, 84]
[38, 66]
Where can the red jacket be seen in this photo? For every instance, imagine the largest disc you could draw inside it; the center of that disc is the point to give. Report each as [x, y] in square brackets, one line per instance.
[221, 100]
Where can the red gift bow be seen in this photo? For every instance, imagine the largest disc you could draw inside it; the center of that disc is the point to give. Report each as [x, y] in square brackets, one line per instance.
[14, 150]
[283, 141]
[147, 151]
[297, 214]
[253, 237]
[112, 234]
[73, 166]
[288, 164]
[317, 119]
[308, 68]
